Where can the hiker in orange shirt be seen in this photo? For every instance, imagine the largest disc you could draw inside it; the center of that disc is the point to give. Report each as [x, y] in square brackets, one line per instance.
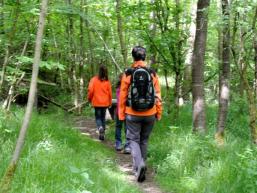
[140, 105]
[100, 96]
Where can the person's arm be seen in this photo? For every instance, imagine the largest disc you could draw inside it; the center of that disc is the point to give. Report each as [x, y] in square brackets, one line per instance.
[125, 83]
[90, 90]
[158, 99]
[110, 93]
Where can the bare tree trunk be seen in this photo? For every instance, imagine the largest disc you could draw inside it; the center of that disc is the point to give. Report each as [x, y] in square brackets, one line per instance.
[7, 179]
[120, 31]
[81, 64]
[90, 45]
[253, 116]
[225, 73]
[6, 58]
[178, 63]
[199, 124]
[73, 58]
[166, 80]
[249, 90]
[188, 61]
[152, 29]
[255, 48]
[58, 56]
[2, 31]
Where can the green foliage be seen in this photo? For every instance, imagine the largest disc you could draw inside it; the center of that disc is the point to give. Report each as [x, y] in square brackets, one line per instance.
[49, 65]
[56, 158]
[186, 162]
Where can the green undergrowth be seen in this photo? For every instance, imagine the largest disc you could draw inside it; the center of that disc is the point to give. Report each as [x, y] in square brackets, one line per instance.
[186, 162]
[57, 158]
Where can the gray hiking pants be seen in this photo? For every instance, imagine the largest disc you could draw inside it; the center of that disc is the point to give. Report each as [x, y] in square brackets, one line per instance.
[138, 132]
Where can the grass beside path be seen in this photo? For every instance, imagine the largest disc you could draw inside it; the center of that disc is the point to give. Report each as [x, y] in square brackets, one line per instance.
[57, 158]
[188, 163]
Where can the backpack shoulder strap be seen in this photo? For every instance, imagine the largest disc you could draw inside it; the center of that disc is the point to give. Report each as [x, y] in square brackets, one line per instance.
[152, 71]
[129, 71]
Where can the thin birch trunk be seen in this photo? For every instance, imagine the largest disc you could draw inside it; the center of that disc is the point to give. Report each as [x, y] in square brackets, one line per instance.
[188, 59]
[7, 179]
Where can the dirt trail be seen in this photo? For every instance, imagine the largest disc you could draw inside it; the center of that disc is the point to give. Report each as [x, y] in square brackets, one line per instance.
[87, 127]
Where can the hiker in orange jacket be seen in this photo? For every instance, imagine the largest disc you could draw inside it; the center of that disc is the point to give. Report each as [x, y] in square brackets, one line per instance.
[139, 122]
[100, 96]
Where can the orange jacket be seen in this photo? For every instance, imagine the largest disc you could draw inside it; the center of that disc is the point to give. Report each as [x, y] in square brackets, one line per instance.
[99, 92]
[125, 84]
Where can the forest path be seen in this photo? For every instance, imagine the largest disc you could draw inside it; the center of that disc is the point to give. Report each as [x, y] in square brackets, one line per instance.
[87, 126]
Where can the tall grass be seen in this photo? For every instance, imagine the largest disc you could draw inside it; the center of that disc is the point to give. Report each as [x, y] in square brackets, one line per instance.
[56, 158]
[186, 162]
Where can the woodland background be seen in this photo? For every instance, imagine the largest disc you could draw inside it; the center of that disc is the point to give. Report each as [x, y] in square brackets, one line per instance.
[205, 54]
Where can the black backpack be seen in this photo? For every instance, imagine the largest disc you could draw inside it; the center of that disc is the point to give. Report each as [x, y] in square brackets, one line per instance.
[141, 96]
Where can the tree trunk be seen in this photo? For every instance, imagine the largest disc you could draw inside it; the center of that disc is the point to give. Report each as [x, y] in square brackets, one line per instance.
[89, 36]
[188, 60]
[249, 90]
[198, 66]
[2, 28]
[120, 31]
[6, 58]
[81, 62]
[152, 29]
[255, 48]
[73, 58]
[6, 180]
[178, 63]
[224, 75]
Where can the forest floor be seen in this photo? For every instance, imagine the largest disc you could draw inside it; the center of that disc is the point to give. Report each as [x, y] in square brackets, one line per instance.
[87, 127]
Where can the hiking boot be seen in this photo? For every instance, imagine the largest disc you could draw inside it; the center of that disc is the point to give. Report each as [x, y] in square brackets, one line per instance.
[118, 146]
[127, 149]
[101, 133]
[141, 172]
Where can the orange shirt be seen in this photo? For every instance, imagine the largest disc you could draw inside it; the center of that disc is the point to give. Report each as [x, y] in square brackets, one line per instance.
[124, 90]
[99, 92]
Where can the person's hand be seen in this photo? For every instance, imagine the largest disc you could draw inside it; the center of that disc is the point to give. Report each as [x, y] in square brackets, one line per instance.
[158, 118]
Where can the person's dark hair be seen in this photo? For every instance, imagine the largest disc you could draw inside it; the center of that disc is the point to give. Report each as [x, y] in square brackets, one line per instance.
[138, 53]
[103, 73]
[119, 81]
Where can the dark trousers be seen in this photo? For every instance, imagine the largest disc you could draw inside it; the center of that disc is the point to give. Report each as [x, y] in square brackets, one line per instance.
[100, 116]
[139, 129]
[118, 128]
